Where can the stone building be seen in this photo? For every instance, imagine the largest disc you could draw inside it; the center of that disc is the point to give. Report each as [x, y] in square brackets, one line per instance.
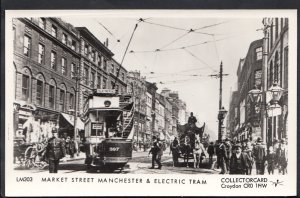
[46, 53]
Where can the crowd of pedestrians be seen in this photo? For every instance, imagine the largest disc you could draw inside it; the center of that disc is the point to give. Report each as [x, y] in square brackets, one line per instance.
[234, 157]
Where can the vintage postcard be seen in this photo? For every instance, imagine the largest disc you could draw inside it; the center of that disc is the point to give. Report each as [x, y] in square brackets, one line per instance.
[151, 102]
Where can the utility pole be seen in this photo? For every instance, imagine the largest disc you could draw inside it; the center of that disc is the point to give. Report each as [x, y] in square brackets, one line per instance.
[222, 111]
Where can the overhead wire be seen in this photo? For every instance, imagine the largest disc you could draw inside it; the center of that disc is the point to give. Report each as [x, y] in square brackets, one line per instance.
[199, 59]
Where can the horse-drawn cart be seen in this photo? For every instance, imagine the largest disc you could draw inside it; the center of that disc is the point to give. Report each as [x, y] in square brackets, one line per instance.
[189, 135]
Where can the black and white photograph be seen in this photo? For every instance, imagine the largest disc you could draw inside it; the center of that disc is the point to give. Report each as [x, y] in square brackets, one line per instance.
[147, 97]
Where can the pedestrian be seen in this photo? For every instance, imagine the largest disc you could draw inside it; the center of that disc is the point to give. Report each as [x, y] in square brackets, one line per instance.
[211, 151]
[259, 153]
[174, 149]
[155, 149]
[249, 152]
[217, 149]
[238, 161]
[282, 156]
[197, 152]
[222, 157]
[72, 148]
[228, 153]
[270, 160]
[55, 151]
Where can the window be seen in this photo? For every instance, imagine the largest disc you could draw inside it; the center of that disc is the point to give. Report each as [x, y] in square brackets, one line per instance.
[105, 65]
[98, 82]
[92, 79]
[112, 68]
[257, 78]
[53, 60]
[123, 76]
[99, 61]
[71, 101]
[73, 45]
[39, 92]
[62, 100]
[276, 28]
[258, 52]
[14, 34]
[271, 74]
[54, 31]
[25, 87]
[86, 75]
[41, 54]
[112, 84]
[104, 83]
[51, 96]
[286, 62]
[73, 73]
[64, 38]
[86, 47]
[93, 56]
[27, 45]
[42, 23]
[64, 66]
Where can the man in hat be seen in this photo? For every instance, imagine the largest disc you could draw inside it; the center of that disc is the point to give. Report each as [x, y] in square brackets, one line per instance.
[156, 152]
[192, 120]
[238, 161]
[228, 153]
[55, 151]
[282, 156]
[222, 155]
[259, 153]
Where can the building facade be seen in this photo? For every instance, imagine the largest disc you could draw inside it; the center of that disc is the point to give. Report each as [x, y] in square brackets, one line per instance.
[137, 85]
[244, 121]
[277, 51]
[46, 52]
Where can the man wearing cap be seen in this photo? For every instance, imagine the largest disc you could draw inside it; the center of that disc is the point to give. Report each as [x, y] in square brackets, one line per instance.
[259, 153]
[222, 154]
[238, 161]
[55, 150]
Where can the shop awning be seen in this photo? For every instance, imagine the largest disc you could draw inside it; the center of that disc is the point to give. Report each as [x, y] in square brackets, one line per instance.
[70, 119]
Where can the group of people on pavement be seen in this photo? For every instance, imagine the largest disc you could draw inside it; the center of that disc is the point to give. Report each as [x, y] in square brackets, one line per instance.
[240, 158]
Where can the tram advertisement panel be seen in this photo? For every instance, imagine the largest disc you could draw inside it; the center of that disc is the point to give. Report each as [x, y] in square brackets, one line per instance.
[150, 102]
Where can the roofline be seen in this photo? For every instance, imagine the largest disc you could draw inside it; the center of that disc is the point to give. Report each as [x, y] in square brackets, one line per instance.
[92, 36]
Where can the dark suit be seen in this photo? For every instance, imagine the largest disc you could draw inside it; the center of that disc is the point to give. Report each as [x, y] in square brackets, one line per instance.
[54, 152]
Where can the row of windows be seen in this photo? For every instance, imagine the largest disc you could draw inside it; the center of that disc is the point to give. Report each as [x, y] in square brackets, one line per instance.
[113, 71]
[92, 81]
[91, 54]
[275, 29]
[40, 94]
[53, 57]
[275, 69]
[42, 24]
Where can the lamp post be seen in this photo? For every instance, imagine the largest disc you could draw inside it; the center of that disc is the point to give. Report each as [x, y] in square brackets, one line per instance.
[256, 97]
[77, 77]
[221, 116]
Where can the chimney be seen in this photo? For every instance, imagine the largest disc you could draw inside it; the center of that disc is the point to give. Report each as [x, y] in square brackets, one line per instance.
[106, 42]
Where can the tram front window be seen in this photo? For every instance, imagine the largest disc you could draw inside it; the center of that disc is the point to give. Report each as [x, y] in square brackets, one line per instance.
[111, 127]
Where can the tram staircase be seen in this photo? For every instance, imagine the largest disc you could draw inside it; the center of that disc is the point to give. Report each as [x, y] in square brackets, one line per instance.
[128, 121]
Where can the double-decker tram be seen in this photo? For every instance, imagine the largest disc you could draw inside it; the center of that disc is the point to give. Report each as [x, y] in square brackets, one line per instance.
[108, 130]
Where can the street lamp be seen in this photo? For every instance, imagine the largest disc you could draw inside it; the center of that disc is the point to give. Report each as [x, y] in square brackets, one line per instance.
[276, 93]
[221, 117]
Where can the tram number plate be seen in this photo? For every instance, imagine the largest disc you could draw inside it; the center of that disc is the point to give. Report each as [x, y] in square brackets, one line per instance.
[114, 148]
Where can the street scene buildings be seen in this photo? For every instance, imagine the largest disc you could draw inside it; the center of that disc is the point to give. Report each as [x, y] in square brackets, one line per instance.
[61, 68]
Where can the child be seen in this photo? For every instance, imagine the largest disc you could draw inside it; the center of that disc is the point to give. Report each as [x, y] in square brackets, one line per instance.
[270, 160]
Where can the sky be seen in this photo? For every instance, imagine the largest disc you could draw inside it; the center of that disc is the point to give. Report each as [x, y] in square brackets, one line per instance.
[180, 53]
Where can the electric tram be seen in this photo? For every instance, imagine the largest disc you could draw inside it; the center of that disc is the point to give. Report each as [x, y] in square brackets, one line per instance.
[108, 130]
